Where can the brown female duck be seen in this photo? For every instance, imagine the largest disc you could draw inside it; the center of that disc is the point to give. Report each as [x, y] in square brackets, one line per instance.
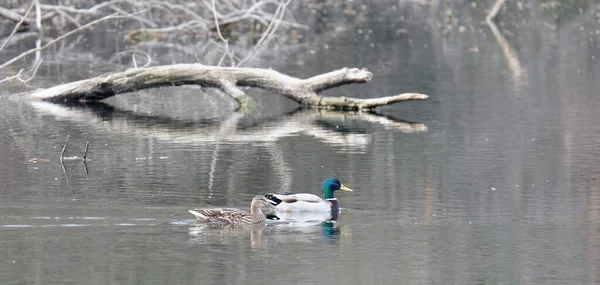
[229, 216]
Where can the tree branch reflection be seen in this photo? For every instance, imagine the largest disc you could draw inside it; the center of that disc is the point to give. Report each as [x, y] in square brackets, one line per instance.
[337, 128]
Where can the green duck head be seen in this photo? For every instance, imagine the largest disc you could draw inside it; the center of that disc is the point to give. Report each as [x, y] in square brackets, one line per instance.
[332, 184]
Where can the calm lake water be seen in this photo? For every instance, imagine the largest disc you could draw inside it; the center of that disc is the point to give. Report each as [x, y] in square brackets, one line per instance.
[493, 180]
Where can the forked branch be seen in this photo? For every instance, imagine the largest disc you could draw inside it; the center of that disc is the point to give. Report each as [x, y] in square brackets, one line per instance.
[229, 79]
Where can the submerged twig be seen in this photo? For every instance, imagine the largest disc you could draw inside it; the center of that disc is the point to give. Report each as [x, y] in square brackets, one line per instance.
[64, 170]
[87, 147]
[62, 153]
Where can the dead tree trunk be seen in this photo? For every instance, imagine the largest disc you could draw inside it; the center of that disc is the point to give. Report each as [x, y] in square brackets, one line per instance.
[228, 79]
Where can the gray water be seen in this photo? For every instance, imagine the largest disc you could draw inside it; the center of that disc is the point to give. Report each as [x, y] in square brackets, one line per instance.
[492, 180]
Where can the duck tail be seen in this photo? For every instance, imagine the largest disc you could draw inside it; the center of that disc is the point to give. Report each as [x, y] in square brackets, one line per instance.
[273, 200]
[197, 214]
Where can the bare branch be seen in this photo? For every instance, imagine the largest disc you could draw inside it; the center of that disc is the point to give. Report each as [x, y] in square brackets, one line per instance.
[269, 32]
[139, 19]
[249, 10]
[225, 42]
[274, 23]
[230, 88]
[38, 16]
[14, 16]
[148, 58]
[183, 9]
[235, 92]
[24, 54]
[19, 75]
[145, 32]
[133, 53]
[91, 10]
[19, 37]
[239, 15]
[37, 66]
[10, 78]
[349, 103]
[268, 16]
[374, 102]
[68, 17]
[18, 24]
[338, 77]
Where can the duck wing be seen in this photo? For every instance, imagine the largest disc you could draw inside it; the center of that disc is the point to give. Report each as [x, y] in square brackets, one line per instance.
[221, 215]
[299, 202]
[289, 198]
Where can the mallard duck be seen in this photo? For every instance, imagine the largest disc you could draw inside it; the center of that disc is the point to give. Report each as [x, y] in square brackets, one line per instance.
[229, 216]
[309, 202]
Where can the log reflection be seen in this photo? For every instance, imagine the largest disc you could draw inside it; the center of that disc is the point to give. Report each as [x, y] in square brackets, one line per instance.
[330, 127]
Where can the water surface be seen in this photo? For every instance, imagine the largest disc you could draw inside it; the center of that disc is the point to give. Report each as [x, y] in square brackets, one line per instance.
[493, 180]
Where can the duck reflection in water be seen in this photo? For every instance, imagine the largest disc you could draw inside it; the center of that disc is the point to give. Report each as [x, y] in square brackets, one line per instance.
[331, 233]
[210, 233]
[306, 223]
[285, 227]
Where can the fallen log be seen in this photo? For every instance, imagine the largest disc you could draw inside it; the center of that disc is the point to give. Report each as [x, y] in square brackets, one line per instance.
[228, 79]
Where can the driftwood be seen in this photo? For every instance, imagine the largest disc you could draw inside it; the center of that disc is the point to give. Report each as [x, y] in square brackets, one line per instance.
[228, 79]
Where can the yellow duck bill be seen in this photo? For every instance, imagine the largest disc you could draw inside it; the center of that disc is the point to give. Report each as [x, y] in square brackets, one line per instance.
[346, 188]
